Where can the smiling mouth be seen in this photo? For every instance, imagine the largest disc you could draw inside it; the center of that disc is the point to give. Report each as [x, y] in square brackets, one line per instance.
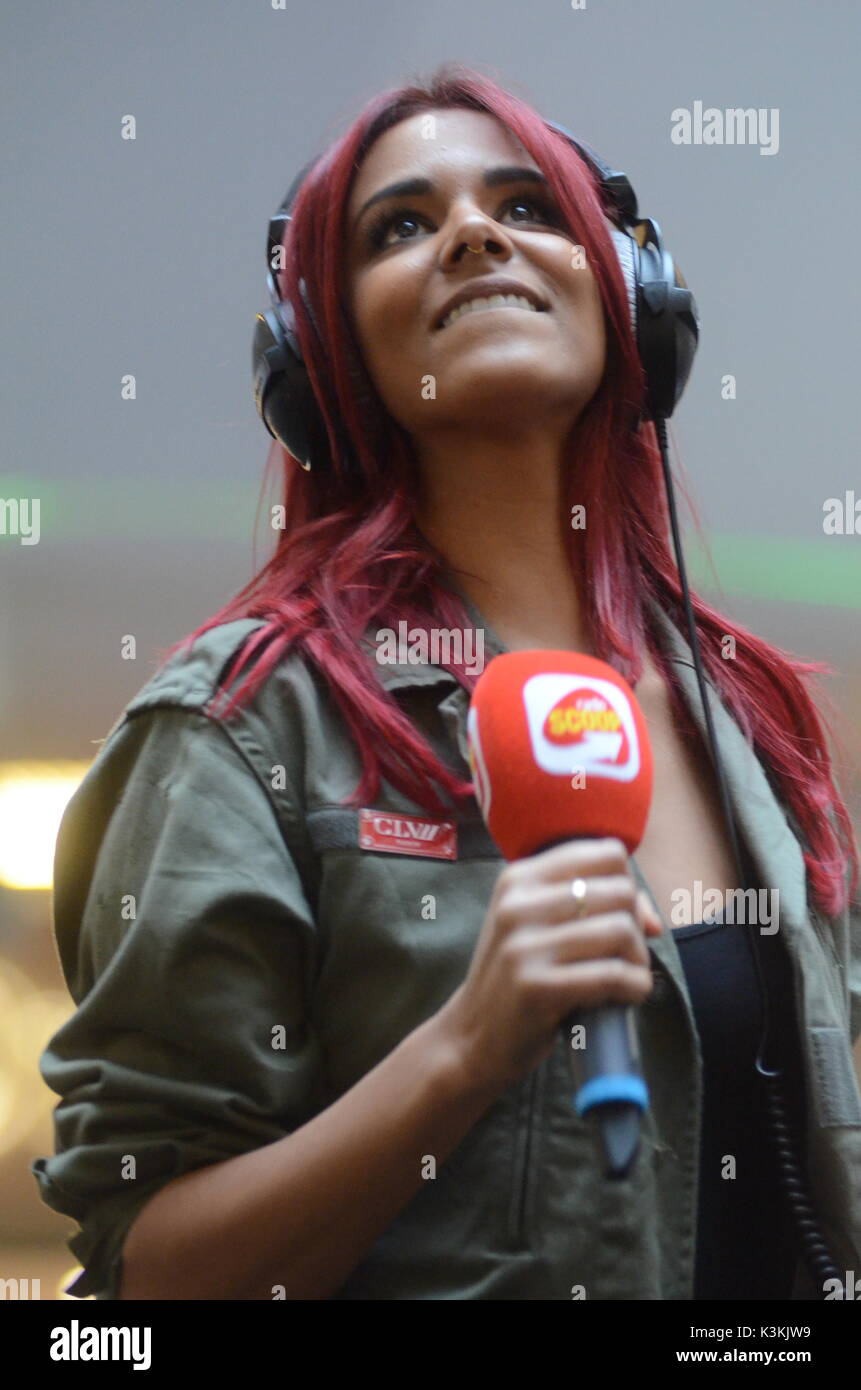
[494, 301]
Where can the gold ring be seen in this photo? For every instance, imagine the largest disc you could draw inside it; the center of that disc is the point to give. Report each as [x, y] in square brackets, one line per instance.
[476, 250]
[578, 888]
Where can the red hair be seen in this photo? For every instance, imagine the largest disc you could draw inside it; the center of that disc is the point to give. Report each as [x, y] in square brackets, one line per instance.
[351, 553]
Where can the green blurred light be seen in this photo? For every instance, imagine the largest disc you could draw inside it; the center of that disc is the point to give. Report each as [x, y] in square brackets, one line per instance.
[822, 570]
[825, 571]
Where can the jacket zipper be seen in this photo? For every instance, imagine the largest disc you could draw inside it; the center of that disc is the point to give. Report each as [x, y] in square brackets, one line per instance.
[520, 1223]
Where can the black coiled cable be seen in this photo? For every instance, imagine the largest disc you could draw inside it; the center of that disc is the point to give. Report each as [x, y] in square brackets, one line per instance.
[814, 1250]
[817, 1256]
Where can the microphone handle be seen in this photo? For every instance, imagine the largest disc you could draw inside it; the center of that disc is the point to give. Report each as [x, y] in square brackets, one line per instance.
[604, 1063]
[605, 1073]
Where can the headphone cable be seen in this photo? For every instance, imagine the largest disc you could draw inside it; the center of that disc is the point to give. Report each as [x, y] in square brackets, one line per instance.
[814, 1249]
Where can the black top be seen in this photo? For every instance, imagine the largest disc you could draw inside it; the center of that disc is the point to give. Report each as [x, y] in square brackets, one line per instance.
[746, 1247]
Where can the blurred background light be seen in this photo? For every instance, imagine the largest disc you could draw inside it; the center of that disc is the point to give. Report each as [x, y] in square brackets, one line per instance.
[33, 797]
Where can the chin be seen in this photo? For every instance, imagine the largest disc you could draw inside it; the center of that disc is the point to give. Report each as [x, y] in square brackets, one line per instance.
[468, 394]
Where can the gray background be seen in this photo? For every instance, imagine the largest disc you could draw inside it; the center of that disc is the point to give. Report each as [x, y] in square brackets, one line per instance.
[148, 257]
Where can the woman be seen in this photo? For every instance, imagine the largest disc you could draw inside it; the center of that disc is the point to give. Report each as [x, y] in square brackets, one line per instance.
[305, 1066]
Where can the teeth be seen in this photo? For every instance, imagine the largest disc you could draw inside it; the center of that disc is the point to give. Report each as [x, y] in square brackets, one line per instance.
[495, 301]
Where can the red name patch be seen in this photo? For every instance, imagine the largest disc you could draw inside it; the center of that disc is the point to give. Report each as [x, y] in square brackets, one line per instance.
[405, 834]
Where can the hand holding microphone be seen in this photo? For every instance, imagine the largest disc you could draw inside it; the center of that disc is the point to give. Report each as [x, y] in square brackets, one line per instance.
[562, 767]
[536, 958]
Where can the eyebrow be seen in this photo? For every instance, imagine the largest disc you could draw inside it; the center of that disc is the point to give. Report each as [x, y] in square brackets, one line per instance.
[504, 173]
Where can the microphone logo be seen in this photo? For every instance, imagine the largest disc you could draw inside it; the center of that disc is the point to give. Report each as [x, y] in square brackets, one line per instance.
[581, 722]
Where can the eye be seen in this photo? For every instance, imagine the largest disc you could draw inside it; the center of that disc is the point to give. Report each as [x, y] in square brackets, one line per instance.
[377, 228]
[379, 225]
[377, 231]
[543, 205]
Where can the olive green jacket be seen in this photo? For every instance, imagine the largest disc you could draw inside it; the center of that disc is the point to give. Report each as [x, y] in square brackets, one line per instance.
[210, 888]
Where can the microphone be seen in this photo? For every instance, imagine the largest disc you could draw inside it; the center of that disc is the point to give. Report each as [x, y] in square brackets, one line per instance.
[559, 750]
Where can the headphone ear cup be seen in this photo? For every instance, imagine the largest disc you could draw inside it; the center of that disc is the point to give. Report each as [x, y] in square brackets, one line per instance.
[283, 393]
[663, 311]
[668, 319]
[686, 335]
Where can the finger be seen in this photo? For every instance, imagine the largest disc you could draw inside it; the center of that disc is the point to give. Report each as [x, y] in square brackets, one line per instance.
[538, 904]
[616, 893]
[581, 858]
[649, 916]
[593, 982]
[591, 938]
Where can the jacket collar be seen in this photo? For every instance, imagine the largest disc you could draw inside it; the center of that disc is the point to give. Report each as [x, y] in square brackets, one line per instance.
[762, 824]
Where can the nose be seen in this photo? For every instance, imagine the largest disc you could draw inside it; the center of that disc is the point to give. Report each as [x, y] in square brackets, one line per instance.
[474, 232]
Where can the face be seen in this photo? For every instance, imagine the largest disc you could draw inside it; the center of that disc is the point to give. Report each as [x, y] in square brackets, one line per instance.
[407, 257]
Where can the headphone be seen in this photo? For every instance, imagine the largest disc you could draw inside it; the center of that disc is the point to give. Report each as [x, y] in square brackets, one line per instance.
[662, 309]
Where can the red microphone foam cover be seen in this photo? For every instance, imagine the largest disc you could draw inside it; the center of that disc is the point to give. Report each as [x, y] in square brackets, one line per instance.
[558, 748]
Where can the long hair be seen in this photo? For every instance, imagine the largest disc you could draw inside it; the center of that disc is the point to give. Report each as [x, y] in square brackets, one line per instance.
[350, 552]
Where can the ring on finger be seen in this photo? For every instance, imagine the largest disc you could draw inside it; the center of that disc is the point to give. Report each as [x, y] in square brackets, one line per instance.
[578, 889]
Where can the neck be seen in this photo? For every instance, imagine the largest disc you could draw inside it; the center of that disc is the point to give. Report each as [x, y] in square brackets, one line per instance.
[492, 508]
